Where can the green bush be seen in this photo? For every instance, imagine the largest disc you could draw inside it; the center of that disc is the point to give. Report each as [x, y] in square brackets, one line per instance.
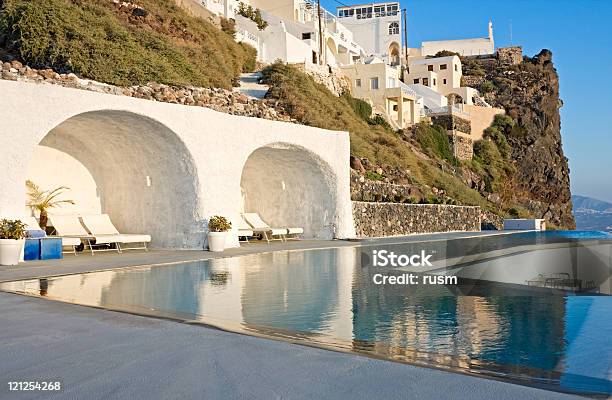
[362, 108]
[228, 26]
[487, 87]
[12, 229]
[380, 121]
[434, 141]
[218, 223]
[254, 14]
[374, 176]
[98, 41]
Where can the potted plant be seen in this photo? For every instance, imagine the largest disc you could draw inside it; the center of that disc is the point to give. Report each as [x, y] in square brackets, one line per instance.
[43, 200]
[218, 227]
[12, 240]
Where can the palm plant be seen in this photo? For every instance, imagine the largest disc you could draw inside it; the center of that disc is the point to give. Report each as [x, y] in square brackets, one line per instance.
[43, 200]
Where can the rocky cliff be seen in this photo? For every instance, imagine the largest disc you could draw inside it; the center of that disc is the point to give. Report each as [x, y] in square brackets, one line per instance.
[528, 89]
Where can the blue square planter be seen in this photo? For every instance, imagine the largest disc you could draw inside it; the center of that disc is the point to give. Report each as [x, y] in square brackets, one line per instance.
[31, 250]
[50, 248]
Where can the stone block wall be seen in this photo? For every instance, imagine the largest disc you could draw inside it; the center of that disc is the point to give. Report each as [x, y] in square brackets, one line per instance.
[510, 55]
[452, 122]
[363, 189]
[392, 219]
[490, 221]
[222, 100]
[463, 147]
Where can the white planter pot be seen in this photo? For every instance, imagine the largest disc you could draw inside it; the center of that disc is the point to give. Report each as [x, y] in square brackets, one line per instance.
[216, 241]
[10, 251]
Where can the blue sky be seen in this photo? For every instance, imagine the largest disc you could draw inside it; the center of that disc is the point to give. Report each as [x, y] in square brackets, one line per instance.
[578, 32]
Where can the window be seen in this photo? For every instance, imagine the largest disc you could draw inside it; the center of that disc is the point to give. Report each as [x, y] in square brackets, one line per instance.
[307, 36]
[379, 11]
[363, 13]
[392, 9]
[346, 13]
[435, 83]
[444, 81]
[394, 28]
[430, 68]
[374, 83]
[357, 82]
[426, 81]
[442, 67]
[416, 81]
[456, 68]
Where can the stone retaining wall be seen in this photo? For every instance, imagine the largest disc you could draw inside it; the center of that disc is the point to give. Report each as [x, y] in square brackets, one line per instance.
[363, 189]
[452, 122]
[222, 100]
[490, 221]
[463, 147]
[392, 219]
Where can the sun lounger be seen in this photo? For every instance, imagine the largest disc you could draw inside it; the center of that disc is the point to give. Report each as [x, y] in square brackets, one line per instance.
[102, 225]
[70, 226]
[32, 226]
[244, 230]
[294, 233]
[259, 226]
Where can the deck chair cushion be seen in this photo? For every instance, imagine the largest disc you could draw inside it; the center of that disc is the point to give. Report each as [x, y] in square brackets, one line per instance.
[68, 225]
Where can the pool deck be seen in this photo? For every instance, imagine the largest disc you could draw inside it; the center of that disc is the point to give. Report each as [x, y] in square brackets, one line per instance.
[85, 262]
[99, 354]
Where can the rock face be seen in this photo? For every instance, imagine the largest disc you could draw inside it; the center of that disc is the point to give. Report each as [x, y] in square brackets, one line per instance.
[392, 219]
[529, 92]
[220, 100]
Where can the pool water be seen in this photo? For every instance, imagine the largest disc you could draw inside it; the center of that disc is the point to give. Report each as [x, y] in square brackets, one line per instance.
[327, 298]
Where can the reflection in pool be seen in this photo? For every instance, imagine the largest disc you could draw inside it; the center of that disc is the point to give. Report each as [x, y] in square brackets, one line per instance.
[328, 298]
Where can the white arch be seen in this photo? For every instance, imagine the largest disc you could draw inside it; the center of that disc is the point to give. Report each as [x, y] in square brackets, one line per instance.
[331, 51]
[145, 177]
[290, 186]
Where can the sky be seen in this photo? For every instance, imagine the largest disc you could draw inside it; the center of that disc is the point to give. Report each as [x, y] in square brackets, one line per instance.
[578, 32]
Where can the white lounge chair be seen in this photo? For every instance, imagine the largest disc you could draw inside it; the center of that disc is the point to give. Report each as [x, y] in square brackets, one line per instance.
[73, 242]
[259, 226]
[70, 226]
[101, 225]
[294, 233]
[244, 230]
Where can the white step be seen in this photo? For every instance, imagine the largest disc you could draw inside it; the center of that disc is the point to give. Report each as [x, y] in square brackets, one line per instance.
[250, 86]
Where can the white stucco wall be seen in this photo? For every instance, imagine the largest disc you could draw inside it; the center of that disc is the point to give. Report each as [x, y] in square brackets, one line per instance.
[194, 158]
[51, 168]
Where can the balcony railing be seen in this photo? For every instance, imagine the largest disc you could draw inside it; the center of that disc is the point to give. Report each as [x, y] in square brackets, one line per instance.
[455, 109]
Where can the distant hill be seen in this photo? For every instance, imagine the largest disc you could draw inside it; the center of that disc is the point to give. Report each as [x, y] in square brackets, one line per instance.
[592, 214]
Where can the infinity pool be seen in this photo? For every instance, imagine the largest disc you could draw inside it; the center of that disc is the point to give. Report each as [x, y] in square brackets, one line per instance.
[328, 298]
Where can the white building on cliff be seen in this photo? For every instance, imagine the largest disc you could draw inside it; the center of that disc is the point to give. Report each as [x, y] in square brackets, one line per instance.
[377, 27]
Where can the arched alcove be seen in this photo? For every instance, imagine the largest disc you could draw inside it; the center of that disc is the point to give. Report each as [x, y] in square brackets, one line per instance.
[289, 186]
[144, 176]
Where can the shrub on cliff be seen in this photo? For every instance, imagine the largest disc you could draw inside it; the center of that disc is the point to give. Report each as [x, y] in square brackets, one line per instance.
[434, 141]
[110, 43]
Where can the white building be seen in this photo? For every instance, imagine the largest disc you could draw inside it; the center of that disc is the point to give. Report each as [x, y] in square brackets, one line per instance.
[376, 27]
[464, 47]
[379, 84]
[292, 34]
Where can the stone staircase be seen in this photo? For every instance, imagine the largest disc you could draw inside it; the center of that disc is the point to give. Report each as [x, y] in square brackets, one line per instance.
[250, 85]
